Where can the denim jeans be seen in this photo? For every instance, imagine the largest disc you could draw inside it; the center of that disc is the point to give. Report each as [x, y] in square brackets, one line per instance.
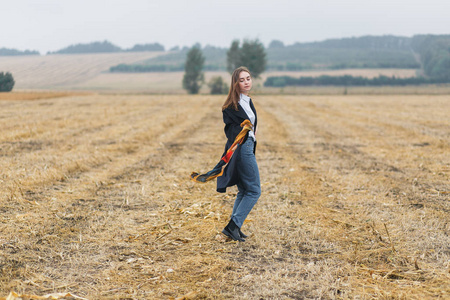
[249, 187]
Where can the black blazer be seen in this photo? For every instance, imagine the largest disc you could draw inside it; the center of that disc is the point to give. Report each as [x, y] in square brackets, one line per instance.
[233, 120]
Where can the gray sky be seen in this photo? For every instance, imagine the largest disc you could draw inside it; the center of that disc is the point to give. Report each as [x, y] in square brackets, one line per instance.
[49, 25]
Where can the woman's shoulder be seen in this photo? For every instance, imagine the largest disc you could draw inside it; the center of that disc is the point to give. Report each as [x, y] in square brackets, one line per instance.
[230, 110]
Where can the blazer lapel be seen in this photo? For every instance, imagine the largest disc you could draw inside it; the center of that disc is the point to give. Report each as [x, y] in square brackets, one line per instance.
[254, 111]
[241, 112]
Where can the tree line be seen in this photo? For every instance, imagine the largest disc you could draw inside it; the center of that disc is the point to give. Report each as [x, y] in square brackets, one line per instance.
[94, 47]
[434, 51]
[250, 54]
[106, 47]
[348, 80]
[360, 52]
[14, 52]
[357, 52]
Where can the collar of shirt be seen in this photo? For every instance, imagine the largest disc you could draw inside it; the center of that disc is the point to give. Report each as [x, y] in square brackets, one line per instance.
[245, 98]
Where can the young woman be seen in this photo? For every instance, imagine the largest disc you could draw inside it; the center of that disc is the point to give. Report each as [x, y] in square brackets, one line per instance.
[242, 169]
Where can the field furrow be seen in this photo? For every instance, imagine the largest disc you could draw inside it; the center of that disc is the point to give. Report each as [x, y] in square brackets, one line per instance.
[96, 199]
[87, 141]
[376, 148]
[363, 184]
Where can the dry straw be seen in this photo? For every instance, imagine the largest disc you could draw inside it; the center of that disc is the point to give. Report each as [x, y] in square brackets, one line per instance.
[94, 199]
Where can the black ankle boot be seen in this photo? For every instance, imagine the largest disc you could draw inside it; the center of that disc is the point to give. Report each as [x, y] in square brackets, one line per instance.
[232, 231]
[242, 234]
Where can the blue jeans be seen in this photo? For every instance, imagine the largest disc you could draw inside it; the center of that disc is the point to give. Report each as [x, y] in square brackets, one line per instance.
[249, 187]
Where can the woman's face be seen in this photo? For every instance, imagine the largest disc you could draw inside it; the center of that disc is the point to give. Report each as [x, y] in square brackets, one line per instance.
[245, 82]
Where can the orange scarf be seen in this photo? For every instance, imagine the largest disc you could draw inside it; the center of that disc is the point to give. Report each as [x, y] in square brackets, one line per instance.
[218, 169]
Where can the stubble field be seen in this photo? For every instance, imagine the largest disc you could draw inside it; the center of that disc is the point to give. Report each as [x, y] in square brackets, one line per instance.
[95, 199]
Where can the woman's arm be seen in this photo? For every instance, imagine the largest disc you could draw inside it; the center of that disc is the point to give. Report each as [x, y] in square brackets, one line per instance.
[232, 124]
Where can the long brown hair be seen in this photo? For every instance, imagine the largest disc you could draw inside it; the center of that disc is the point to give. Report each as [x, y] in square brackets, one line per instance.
[235, 92]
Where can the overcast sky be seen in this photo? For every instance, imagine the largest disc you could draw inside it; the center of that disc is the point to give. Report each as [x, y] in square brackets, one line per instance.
[49, 25]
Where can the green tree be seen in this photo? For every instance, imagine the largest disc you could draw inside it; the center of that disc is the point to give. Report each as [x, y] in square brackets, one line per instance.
[233, 56]
[276, 44]
[252, 54]
[94, 47]
[441, 69]
[218, 86]
[6, 82]
[147, 47]
[434, 53]
[194, 77]
[11, 52]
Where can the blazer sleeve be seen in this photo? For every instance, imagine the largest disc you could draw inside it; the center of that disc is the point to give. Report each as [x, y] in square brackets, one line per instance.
[232, 125]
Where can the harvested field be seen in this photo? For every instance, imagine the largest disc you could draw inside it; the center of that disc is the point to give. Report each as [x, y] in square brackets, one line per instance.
[95, 199]
[36, 95]
[59, 71]
[171, 82]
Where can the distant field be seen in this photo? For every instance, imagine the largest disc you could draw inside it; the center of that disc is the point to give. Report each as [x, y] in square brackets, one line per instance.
[90, 72]
[369, 73]
[62, 70]
[36, 95]
[96, 200]
[170, 82]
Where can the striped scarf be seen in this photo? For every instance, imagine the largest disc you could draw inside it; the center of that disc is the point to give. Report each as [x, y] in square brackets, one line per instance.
[218, 169]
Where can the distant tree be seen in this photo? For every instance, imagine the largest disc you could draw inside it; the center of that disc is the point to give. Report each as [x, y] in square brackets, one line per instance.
[14, 52]
[175, 48]
[434, 51]
[95, 47]
[147, 47]
[6, 82]
[348, 80]
[252, 54]
[193, 77]
[218, 86]
[276, 44]
[441, 68]
[233, 56]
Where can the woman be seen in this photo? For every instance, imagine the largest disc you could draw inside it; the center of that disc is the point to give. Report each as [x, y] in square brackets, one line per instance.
[242, 169]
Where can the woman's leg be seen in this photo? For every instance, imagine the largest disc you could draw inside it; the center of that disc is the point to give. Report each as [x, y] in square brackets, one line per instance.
[249, 182]
[239, 197]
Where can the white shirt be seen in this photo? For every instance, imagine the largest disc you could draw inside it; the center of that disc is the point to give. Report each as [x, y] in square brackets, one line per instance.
[244, 101]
